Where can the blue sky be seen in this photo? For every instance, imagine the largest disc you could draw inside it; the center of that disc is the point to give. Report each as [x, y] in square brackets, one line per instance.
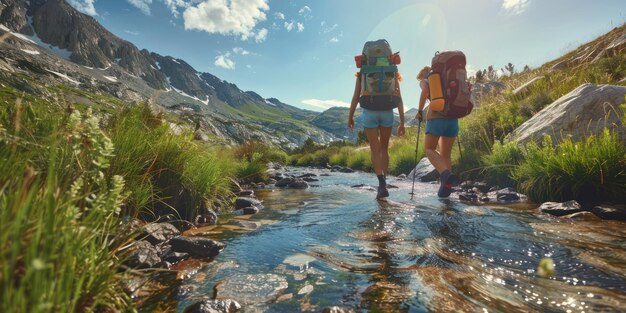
[302, 52]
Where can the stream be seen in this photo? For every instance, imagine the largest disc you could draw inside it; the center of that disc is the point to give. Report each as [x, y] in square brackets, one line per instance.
[334, 245]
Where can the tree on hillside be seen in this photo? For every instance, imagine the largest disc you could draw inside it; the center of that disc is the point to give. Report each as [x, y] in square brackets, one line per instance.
[480, 76]
[361, 138]
[526, 68]
[510, 68]
[491, 73]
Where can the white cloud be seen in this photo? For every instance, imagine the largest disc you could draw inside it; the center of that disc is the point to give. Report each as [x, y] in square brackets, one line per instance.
[426, 20]
[328, 29]
[173, 5]
[261, 35]
[515, 6]
[300, 27]
[224, 61]
[84, 6]
[325, 104]
[289, 26]
[305, 12]
[142, 5]
[242, 51]
[227, 17]
[334, 39]
[279, 16]
[248, 66]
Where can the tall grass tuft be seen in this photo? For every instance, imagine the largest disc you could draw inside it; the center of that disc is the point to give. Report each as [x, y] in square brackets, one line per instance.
[590, 170]
[501, 162]
[59, 219]
[167, 173]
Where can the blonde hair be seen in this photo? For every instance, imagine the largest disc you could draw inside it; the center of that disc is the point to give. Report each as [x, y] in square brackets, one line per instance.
[423, 73]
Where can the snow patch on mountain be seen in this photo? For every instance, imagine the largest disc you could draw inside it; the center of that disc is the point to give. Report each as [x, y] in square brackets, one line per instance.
[64, 76]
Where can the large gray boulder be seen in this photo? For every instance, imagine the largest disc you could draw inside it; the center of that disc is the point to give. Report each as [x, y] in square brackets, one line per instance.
[584, 111]
[424, 172]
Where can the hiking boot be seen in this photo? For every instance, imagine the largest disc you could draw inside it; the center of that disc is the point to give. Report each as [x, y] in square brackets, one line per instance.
[447, 178]
[382, 192]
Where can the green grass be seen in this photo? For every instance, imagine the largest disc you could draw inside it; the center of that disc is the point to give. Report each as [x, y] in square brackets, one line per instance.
[59, 216]
[590, 170]
[498, 166]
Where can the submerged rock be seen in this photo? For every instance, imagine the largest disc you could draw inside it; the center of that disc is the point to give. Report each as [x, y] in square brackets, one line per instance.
[284, 182]
[249, 289]
[249, 210]
[610, 211]
[560, 209]
[336, 309]
[298, 183]
[197, 247]
[214, 306]
[244, 202]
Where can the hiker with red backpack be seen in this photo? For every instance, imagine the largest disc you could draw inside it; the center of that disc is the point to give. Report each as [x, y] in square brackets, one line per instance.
[377, 90]
[446, 87]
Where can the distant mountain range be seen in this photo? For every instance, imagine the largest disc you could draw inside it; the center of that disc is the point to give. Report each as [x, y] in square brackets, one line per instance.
[56, 44]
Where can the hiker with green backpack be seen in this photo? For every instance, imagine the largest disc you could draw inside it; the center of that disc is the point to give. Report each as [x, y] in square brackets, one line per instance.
[446, 87]
[377, 90]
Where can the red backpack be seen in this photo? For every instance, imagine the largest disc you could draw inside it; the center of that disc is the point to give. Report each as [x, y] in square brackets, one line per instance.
[448, 85]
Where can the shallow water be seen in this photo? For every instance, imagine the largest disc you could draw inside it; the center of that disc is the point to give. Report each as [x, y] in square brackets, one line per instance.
[336, 246]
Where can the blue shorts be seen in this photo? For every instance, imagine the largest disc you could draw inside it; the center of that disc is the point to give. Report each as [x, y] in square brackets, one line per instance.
[375, 119]
[443, 127]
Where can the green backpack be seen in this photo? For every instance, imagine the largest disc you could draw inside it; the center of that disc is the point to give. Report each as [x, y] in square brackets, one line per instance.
[378, 64]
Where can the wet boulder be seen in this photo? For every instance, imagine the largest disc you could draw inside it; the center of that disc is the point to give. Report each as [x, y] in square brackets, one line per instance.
[336, 309]
[307, 175]
[401, 176]
[197, 247]
[244, 202]
[424, 171]
[143, 255]
[284, 182]
[560, 208]
[506, 195]
[249, 210]
[159, 232]
[245, 193]
[250, 289]
[208, 217]
[214, 306]
[610, 211]
[298, 183]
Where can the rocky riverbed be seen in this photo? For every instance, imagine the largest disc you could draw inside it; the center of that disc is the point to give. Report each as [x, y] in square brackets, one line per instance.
[333, 248]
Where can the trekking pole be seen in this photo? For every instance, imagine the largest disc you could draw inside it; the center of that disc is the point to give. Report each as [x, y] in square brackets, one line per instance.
[458, 140]
[417, 143]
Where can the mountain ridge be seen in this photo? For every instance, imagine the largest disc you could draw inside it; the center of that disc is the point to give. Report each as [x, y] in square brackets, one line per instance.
[116, 66]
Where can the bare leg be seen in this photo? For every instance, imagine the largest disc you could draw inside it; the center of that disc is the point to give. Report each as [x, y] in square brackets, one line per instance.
[372, 137]
[430, 147]
[385, 134]
[445, 148]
